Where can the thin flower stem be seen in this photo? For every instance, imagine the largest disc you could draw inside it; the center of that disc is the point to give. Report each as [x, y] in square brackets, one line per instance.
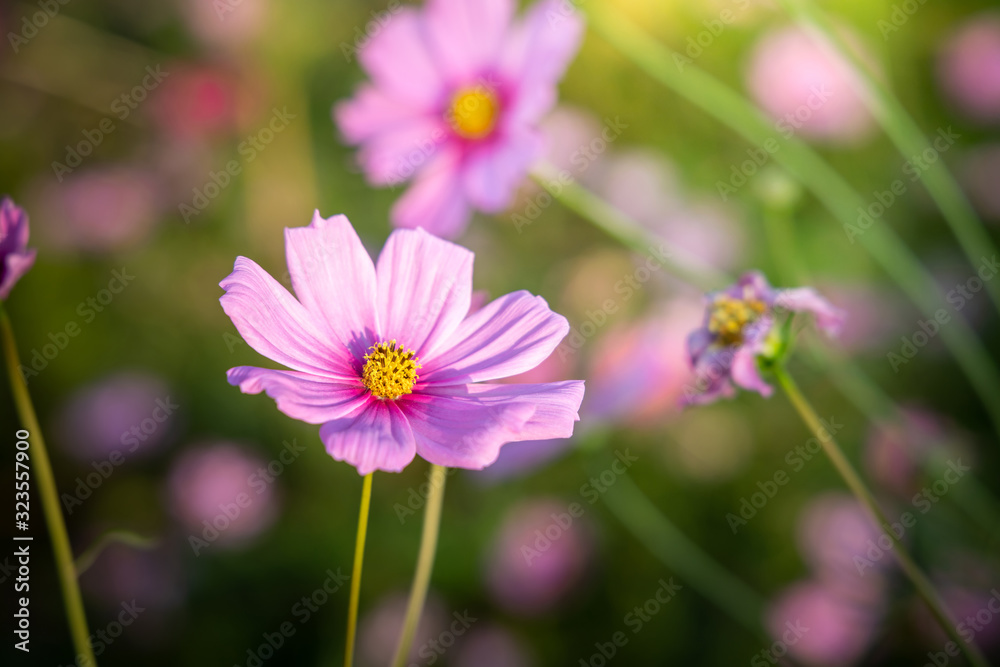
[65, 568]
[359, 558]
[425, 563]
[865, 497]
[908, 139]
[90, 554]
[674, 549]
[804, 164]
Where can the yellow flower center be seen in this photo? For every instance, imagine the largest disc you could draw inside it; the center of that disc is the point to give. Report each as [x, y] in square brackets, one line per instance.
[473, 112]
[729, 316]
[390, 370]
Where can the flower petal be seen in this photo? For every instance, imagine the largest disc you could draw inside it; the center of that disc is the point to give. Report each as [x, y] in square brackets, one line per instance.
[805, 299]
[492, 174]
[745, 373]
[309, 398]
[435, 201]
[375, 437]
[334, 277]
[464, 432]
[510, 335]
[372, 111]
[467, 35]
[389, 158]
[277, 326]
[15, 266]
[398, 60]
[424, 289]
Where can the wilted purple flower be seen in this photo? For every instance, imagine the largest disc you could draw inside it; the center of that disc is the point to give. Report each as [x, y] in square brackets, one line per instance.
[15, 257]
[457, 92]
[806, 89]
[538, 557]
[969, 69]
[741, 324]
[222, 494]
[388, 359]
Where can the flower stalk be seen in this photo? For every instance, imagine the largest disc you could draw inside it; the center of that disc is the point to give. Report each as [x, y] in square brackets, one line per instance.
[359, 557]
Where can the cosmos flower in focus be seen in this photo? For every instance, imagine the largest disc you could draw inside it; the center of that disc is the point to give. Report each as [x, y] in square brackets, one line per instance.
[742, 323]
[387, 357]
[15, 257]
[457, 90]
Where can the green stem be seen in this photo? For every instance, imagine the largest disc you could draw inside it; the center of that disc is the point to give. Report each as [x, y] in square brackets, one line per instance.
[90, 554]
[65, 568]
[865, 497]
[425, 563]
[675, 550]
[809, 168]
[908, 139]
[359, 558]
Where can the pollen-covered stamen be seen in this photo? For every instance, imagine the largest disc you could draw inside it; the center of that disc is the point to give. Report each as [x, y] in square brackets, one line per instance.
[390, 370]
[730, 316]
[473, 112]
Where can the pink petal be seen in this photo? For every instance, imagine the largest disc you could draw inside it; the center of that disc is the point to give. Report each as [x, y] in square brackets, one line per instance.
[435, 200]
[805, 299]
[398, 60]
[745, 372]
[510, 335]
[492, 174]
[393, 156]
[334, 277]
[370, 112]
[277, 326]
[309, 398]
[424, 289]
[467, 35]
[464, 432]
[556, 404]
[537, 54]
[376, 437]
[15, 266]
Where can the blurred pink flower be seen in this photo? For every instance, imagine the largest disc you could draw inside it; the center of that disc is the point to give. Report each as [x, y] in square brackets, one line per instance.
[538, 558]
[895, 454]
[568, 132]
[457, 91]
[130, 412]
[807, 90]
[969, 68]
[832, 631]
[872, 319]
[15, 257]
[100, 209]
[639, 370]
[491, 646]
[206, 486]
[226, 24]
[350, 374]
[378, 632]
[152, 577]
[980, 172]
[832, 532]
[195, 102]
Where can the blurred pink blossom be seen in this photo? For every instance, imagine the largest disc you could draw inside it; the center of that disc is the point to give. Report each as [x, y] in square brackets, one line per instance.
[491, 646]
[895, 454]
[205, 488]
[980, 173]
[378, 632]
[969, 68]
[196, 102]
[226, 23]
[538, 558]
[806, 89]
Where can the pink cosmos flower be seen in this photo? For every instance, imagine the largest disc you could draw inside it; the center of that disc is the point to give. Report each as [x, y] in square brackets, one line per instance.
[457, 92]
[387, 357]
[15, 258]
[969, 68]
[741, 324]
